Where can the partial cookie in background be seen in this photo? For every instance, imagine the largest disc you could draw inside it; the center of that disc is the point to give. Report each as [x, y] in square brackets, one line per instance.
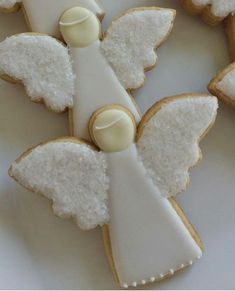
[43, 15]
[214, 12]
[223, 85]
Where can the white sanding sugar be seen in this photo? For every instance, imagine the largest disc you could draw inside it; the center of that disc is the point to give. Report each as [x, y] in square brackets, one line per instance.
[131, 41]
[8, 3]
[220, 8]
[169, 144]
[43, 65]
[70, 174]
[227, 84]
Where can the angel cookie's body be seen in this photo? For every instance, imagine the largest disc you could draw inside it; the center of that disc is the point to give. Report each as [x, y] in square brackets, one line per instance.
[128, 183]
[43, 15]
[111, 66]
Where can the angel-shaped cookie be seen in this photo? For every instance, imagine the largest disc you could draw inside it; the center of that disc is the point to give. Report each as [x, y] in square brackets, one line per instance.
[223, 85]
[102, 70]
[42, 16]
[214, 12]
[126, 185]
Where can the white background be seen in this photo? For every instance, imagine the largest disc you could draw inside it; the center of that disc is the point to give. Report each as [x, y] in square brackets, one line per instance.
[38, 250]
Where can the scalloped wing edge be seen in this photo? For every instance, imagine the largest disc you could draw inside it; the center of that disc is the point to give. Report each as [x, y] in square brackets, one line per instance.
[156, 108]
[13, 174]
[155, 47]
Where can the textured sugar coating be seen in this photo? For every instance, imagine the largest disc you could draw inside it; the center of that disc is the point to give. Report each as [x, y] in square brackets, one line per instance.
[44, 67]
[227, 84]
[8, 3]
[131, 40]
[72, 175]
[168, 146]
[220, 8]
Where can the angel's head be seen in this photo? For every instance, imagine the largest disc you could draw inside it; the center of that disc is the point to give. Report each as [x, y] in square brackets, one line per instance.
[113, 128]
[79, 27]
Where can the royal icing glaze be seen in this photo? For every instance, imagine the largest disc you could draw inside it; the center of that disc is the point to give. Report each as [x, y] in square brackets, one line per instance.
[47, 71]
[148, 237]
[43, 15]
[103, 89]
[220, 8]
[62, 171]
[113, 130]
[80, 27]
[130, 54]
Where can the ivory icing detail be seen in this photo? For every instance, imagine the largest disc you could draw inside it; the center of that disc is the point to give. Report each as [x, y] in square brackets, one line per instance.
[79, 27]
[43, 15]
[113, 130]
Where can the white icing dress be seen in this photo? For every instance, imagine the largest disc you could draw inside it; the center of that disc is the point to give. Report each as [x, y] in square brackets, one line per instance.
[148, 238]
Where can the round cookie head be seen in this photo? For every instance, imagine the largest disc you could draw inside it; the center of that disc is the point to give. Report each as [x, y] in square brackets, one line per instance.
[113, 128]
[79, 27]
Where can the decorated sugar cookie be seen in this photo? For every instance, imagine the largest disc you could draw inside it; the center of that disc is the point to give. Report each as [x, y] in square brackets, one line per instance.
[131, 173]
[223, 85]
[43, 15]
[214, 12]
[124, 184]
[102, 71]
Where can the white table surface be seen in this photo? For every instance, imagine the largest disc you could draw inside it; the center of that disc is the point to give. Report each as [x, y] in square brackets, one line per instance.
[40, 251]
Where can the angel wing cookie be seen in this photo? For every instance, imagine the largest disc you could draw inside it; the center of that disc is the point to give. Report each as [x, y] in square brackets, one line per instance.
[43, 15]
[149, 240]
[103, 70]
[223, 85]
[214, 12]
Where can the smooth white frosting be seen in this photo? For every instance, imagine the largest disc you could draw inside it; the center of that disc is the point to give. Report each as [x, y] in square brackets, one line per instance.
[227, 84]
[220, 8]
[96, 86]
[169, 146]
[130, 43]
[43, 15]
[43, 65]
[63, 171]
[148, 238]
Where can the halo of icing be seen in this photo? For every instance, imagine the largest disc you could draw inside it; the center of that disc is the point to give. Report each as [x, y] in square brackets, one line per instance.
[113, 130]
[79, 27]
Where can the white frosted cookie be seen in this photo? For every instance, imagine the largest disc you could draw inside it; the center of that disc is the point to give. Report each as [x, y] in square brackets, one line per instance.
[214, 12]
[105, 62]
[223, 85]
[43, 15]
[106, 187]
